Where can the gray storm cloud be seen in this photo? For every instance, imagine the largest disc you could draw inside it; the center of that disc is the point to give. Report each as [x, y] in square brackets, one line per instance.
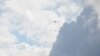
[81, 38]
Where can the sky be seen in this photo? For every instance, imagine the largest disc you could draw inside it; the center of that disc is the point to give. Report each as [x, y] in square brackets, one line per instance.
[79, 38]
[33, 27]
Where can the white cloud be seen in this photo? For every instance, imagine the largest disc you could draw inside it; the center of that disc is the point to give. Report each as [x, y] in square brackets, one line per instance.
[5, 36]
[24, 50]
[28, 18]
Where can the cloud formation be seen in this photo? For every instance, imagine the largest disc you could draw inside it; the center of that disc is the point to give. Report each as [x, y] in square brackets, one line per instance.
[80, 38]
[31, 27]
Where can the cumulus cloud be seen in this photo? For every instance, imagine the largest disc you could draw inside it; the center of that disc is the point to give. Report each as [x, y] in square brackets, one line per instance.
[79, 38]
[31, 22]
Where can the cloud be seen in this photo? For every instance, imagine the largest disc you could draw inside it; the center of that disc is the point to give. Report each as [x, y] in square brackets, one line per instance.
[79, 38]
[39, 21]
[96, 4]
[30, 22]
[24, 50]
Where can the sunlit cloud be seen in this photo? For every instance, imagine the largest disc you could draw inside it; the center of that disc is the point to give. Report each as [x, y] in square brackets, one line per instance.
[31, 27]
